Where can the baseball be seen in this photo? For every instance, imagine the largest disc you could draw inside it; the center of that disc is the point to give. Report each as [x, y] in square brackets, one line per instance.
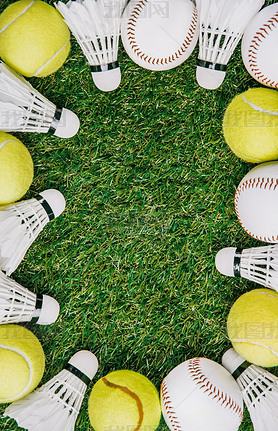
[256, 202]
[159, 35]
[259, 45]
[199, 395]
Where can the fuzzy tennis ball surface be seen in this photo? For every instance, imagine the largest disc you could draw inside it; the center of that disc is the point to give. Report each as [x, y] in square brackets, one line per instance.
[16, 167]
[124, 400]
[34, 40]
[22, 362]
[250, 125]
[252, 327]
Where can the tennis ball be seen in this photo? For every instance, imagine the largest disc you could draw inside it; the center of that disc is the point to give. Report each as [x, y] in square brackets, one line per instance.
[16, 167]
[250, 125]
[22, 362]
[253, 327]
[124, 400]
[34, 39]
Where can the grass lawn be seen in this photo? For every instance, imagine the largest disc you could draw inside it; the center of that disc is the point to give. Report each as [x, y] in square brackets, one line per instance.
[149, 184]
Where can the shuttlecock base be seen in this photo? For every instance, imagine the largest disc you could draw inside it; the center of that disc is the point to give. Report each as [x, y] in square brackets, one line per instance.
[231, 360]
[225, 261]
[49, 311]
[55, 200]
[209, 78]
[107, 80]
[68, 124]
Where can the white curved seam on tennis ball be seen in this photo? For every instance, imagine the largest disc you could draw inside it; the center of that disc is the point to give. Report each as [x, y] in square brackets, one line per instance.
[52, 58]
[6, 142]
[30, 372]
[18, 16]
[256, 344]
[237, 153]
[267, 294]
[258, 108]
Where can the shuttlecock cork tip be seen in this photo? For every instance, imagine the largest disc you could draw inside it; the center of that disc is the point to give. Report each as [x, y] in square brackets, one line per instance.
[55, 200]
[224, 261]
[86, 362]
[231, 360]
[108, 80]
[49, 312]
[68, 125]
[209, 78]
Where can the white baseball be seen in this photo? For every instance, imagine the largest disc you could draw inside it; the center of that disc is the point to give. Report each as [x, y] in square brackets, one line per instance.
[200, 395]
[259, 46]
[256, 202]
[159, 35]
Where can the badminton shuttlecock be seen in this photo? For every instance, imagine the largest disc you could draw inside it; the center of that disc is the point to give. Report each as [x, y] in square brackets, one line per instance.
[21, 223]
[96, 27]
[55, 406]
[18, 304]
[259, 390]
[23, 109]
[222, 23]
[258, 264]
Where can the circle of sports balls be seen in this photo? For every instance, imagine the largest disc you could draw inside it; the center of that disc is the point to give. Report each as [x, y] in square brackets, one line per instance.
[157, 35]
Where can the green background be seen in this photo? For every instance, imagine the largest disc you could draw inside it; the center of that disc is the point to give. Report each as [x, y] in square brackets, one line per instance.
[149, 184]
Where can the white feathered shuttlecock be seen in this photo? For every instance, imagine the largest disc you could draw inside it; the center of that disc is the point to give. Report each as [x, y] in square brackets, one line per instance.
[18, 304]
[21, 223]
[23, 109]
[222, 23]
[259, 390]
[96, 27]
[258, 264]
[55, 406]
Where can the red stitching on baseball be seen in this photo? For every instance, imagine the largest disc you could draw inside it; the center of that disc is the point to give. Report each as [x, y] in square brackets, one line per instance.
[253, 50]
[131, 36]
[266, 183]
[196, 372]
[200, 379]
[169, 407]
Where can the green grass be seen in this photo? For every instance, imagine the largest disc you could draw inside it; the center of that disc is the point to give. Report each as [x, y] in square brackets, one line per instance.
[149, 184]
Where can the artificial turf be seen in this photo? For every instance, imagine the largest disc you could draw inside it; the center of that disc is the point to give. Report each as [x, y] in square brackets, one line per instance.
[149, 184]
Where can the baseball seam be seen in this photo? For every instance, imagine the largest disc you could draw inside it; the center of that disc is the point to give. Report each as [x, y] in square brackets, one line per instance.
[209, 389]
[131, 27]
[171, 415]
[254, 183]
[261, 34]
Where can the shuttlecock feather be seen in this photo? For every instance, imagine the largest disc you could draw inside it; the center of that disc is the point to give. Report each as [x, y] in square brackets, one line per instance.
[23, 109]
[55, 406]
[18, 304]
[222, 23]
[259, 390]
[96, 27]
[258, 264]
[21, 223]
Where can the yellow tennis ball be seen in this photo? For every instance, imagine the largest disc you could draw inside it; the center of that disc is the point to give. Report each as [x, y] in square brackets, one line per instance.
[253, 327]
[124, 400]
[16, 167]
[22, 362]
[34, 39]
[250, 125]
